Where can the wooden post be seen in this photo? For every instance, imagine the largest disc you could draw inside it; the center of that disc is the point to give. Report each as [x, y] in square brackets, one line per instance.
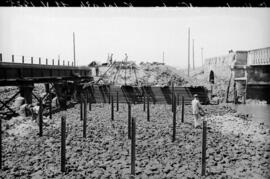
[40, 116]
[183, 108]
[90, 104]
[22, 59]
[39, 60]
[148, 109]
[133, 147]
[178, 99]
[84, 118]
[143, 102]
[109, 96]
[228, 88]
[0, 142]
[63, 143]
[32, 60]
[112, 108]
[204, 147]
[172, 96]
[174, 120]
[52, 61]
[50, 105]
[68, 63]
[211, 92]
[47, 89]
[58, 62]
[133, 98]
[12, 58]
[117, 101]
[1, 57]
[63, 62]
[129, 120]
[46, 61]
[188, 51]
[245, 93]
[235, 92]
[74, 54]
[72, 64]
[90, 100]
[81, 108]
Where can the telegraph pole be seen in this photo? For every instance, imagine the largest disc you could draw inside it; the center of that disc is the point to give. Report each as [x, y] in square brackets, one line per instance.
[202, 55]
[74, 54]
[188, 50]
[163, 58]
[193, 53]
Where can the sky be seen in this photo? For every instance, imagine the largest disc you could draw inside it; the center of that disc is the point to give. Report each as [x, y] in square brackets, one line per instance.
[143, 33]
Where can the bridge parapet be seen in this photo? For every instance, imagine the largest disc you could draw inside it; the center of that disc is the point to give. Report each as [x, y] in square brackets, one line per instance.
[259, 57]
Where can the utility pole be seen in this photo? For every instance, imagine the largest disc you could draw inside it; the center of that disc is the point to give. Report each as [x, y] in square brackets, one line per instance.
[188, 50]
[74, 54]
[163, 58]
[193, 54]
[202, 55]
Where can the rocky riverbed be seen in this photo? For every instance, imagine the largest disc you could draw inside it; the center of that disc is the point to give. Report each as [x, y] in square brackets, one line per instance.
[236, 146]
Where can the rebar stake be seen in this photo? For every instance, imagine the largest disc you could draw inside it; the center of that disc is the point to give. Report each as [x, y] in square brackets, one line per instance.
[204, 147]
[129, 120]
[0, 142]
[183, 108]
[148, 109]
[112, 109]
[174, 120]
[63, 143]
[40, 117]
[117, 101]
[133, 147]
[84, 118]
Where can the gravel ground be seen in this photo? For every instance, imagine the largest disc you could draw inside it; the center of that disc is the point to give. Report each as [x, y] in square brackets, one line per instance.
[236, 146]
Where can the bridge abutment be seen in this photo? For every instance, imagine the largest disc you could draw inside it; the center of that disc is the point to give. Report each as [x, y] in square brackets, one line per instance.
[26, 92]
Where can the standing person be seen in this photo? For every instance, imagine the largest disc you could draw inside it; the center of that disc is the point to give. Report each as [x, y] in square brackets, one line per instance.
[97, 71]
[196, 107]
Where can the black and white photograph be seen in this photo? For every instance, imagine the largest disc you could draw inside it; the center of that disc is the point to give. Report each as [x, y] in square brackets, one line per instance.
[135, 92]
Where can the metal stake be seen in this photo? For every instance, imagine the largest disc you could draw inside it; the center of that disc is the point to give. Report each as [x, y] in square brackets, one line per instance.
[40, 112]
[112, 108]
[133, 147]
[81, 108]
[50, 107]
[174, 120]
[204, 147]
[117, 101]
[0, 143]
[129, 120]
[63, 143]
[148, 109]
[143, 102]
[183, 108]
[84, 118]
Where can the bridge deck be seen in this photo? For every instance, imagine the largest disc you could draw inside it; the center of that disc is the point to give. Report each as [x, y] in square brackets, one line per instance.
[14, 73]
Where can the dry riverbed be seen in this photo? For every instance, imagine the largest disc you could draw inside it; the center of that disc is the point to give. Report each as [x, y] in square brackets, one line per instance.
[236, 146]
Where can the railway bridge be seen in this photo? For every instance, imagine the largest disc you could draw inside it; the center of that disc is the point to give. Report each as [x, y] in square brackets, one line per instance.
[63, 79]
[72, 82]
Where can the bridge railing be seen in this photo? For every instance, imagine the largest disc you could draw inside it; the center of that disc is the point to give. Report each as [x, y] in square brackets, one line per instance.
[12, 58]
